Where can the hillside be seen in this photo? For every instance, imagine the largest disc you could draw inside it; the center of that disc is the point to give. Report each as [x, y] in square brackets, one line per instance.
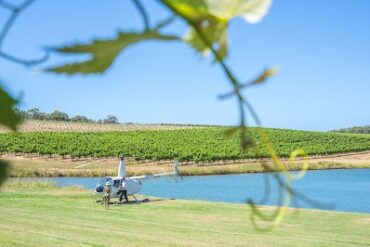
[192, 144]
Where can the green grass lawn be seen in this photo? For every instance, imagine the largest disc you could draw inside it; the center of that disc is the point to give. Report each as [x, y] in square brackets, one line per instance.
[71, 217]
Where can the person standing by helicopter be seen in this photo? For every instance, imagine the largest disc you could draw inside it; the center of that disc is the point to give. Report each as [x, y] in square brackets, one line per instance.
[122, 191]
[106, 196]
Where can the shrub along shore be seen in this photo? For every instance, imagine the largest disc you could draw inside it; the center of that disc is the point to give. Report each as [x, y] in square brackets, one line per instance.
[53, 168]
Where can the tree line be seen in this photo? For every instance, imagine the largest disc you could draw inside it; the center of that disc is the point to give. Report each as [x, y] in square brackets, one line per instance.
[355, 129]
[36, 114]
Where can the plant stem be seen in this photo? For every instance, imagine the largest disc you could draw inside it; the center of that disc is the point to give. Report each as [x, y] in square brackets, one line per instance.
[143, 13]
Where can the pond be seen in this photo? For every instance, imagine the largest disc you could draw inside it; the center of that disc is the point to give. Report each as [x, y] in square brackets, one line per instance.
[342, 190]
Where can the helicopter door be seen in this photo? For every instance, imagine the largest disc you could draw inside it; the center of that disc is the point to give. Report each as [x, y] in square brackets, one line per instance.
[115, 186]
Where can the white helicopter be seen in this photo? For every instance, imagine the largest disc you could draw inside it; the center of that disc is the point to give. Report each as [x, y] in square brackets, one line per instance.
[132, 184]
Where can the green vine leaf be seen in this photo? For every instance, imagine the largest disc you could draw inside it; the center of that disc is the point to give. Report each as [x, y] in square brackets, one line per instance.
[104, 52]
[266, 74]
[211, 17]
[215, 31]
[8, 116]
[252, 11]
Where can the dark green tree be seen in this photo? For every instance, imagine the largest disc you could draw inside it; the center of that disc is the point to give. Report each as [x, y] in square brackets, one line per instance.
[36, 114]
[21, 113]
[58, 116]
[81, 119]
[111, 119]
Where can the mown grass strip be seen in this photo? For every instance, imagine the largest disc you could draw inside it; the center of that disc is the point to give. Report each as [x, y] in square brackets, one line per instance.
[59, 217]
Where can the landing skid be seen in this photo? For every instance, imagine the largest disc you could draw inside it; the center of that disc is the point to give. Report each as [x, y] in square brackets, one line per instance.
[135, 198]
[136, 201]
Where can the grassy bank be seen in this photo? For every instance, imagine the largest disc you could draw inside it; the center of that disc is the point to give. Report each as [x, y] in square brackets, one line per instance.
[53, 168]
[49, 216]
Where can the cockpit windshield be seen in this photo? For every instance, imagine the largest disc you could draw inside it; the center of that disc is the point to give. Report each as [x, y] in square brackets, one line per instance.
[103, 181]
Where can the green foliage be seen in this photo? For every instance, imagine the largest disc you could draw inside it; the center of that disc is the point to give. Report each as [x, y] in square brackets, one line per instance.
[215, 31]
[266, 74]
[4, 171]
[35, 113]
[211, 17]
[251, 10]
[203, 144]
[8, 116]
[81, 119]
[111, 119]
[212, 27]
[104, 52]
[58, 116]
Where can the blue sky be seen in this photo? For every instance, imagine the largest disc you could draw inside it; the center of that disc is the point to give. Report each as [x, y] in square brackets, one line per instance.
[322, 49]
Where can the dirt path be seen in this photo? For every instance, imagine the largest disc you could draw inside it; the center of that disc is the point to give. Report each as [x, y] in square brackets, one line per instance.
[350, 158]
[85, 162]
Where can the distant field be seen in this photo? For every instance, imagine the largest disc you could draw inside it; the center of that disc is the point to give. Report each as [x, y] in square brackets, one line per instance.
[34, 125]
[47, 216]
[192, 144]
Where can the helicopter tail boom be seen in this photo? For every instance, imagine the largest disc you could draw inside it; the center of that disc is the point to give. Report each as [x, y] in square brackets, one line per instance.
[175, 173]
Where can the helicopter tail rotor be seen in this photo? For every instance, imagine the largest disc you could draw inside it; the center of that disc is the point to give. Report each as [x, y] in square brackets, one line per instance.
[176, 170]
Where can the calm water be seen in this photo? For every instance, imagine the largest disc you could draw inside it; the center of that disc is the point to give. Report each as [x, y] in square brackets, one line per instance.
[343, 190]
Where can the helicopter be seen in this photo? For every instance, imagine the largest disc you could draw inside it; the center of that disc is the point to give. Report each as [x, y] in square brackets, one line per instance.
[132, 184]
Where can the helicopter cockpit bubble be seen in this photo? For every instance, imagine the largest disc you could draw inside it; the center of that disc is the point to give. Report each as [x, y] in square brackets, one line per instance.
[101, 184]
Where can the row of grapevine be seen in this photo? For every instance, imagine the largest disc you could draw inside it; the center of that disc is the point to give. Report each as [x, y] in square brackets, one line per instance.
[202, 144]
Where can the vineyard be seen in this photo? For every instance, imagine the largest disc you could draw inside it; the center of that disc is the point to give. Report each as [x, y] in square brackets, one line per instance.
[197, 144]
[64, 126]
